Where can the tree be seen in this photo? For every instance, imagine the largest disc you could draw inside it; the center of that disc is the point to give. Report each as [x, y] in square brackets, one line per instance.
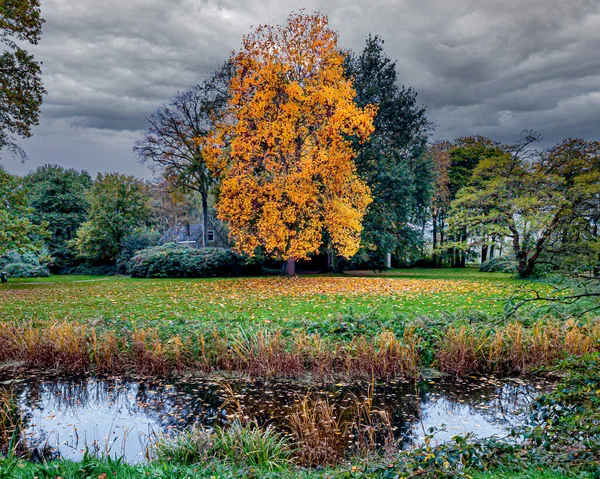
[441, 200]
[118, 204]
[171, 143]
[58, 199]
[171, 207]
[465, 154]
[17, 232]
[288, 175]
[21, 88]
[392, 161]
[530, 199]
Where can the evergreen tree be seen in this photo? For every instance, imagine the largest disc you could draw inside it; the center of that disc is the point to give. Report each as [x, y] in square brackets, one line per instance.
[392, 162]
[58, 198]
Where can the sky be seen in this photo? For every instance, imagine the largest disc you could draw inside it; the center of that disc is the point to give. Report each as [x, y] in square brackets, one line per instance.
[489, 67]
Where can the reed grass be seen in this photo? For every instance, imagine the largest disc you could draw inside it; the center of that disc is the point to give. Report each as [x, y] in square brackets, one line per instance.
[458, 348]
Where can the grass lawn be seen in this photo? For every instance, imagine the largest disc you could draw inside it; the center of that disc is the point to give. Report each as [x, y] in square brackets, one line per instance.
[270, 302]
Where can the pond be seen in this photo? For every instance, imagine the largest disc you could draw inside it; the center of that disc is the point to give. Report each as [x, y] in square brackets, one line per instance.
[119, 416]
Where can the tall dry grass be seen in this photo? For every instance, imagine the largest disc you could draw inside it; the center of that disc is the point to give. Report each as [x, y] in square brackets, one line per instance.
[324, 434]
[460, 349]
[513, 347]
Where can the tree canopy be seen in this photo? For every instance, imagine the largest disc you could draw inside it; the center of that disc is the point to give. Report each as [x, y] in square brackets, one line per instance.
[17, 232]
[58, 198]
[288, 175]
[171, 147]
[392, 161]
[530, 200]
[118, 204]
[21, 89]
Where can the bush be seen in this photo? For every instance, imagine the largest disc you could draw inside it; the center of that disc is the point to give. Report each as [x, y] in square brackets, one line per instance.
[89, 269]
[173, 261]
[24, 265]
[501, 264]
[139, 240]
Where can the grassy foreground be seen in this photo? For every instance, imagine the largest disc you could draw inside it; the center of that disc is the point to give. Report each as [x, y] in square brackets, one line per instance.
[365, 325]
[271, 302]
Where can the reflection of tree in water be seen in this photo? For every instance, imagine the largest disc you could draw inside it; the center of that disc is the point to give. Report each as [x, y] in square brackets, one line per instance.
[180, 404]
[499, 401]
[165, 404]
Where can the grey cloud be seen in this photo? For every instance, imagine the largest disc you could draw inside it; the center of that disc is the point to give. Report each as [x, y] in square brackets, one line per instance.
[491, 67]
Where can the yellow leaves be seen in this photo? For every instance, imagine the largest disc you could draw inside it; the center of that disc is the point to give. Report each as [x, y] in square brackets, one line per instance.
[289, 174]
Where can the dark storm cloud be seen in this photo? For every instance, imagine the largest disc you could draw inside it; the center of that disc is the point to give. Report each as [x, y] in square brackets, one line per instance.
[491, 67]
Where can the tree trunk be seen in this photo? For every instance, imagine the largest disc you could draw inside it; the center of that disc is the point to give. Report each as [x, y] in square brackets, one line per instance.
[492, 247]
[525, 268]
[388, 260]
[204, 195]
[484, 253]
[441, 259]
[434, 257]
[290, 268]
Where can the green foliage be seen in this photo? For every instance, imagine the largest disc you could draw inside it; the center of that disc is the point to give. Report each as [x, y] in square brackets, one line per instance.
[58, 199]
[21, 88]
[173, 261]
[567, 421]
[241, 445]
[118, 204]
[16, 230]
[140, 239]
[253, 446]
[188, 447]
[392, 162]
[508, 197]
[500, 264]
[28, 264]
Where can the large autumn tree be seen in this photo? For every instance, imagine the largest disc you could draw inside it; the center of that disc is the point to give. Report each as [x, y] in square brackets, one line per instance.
[21, 88]
[284, 149]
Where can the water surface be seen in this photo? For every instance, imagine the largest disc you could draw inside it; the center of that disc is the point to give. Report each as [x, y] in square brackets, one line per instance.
[122, 416]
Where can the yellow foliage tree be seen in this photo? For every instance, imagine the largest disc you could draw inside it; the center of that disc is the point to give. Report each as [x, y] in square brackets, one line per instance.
[283, 148]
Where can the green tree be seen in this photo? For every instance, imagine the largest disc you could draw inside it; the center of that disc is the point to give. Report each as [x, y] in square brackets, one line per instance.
[17, 232]
[118, 204]
[21, 88]
[465, 154]
[531, 200]
[58, 199]
[392, 162]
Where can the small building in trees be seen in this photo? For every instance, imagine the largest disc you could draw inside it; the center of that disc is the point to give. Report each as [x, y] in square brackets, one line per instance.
[191, 235]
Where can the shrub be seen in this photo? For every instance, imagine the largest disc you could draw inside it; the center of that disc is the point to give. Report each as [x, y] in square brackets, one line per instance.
[89, 269]
[24, 265]
[501, 264]
[173, 261]
[140, 239]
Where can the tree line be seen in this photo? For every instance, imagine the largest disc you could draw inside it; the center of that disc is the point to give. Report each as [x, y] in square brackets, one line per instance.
[307, 150]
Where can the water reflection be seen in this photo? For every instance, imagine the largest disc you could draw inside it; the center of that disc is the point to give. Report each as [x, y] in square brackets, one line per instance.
[119, 416]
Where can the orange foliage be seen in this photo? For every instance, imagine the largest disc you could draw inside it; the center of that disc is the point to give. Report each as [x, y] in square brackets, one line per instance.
[282, 148]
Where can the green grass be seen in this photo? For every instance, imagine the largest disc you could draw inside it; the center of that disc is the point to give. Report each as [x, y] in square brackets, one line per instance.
[272, 303]
[221, 470]
[536, 473]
